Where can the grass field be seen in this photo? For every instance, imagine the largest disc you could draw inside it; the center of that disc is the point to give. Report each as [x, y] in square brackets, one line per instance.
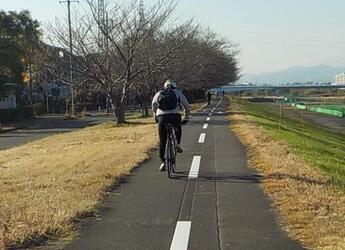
[296, 163]
[318, 146]
[46, 185]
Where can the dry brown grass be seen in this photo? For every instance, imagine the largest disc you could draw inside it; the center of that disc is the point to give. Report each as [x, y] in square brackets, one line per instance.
[311, 210]
[47, 184]
[197, 106]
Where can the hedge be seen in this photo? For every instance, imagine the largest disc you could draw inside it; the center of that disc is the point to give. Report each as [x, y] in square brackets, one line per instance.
[10, 115]
[39, 108]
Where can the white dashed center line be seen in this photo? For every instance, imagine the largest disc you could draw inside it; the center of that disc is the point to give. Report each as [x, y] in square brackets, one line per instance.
[202, 137]
[194, 169]
[182, 230]
[181, 236]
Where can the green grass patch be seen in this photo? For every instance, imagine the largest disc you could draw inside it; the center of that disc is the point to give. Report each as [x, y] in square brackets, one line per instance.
[319, 147]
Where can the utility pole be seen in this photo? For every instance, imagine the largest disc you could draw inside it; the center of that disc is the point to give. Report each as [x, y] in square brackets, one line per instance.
[142, 12]
[103, 22]
[70, 50]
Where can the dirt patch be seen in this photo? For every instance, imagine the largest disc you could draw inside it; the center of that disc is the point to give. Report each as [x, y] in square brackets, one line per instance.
[312, 210]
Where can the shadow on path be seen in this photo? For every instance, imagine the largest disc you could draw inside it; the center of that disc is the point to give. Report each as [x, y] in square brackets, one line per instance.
[228, 177]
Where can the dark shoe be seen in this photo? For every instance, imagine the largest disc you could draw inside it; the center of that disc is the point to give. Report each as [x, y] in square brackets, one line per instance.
[162, 167]
[179, 149]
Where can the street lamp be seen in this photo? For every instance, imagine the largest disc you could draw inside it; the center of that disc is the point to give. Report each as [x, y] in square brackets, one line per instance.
[70, 48]
[61, 55]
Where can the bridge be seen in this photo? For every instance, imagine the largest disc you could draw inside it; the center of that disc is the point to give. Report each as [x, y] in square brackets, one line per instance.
[247, 88]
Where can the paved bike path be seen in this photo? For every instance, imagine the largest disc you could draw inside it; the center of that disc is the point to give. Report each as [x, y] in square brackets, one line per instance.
[223, 208]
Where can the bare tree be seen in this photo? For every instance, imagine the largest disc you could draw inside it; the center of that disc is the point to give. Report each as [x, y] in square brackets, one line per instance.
[124, 54]
[204, 62]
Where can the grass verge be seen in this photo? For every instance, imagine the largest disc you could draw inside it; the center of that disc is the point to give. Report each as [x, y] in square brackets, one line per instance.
[197, 106]
[319, 147]
[46, 185]
[302, 189]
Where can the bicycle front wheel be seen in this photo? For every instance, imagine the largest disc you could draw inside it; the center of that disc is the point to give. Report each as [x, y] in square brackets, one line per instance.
[173, 157]
[168, 158]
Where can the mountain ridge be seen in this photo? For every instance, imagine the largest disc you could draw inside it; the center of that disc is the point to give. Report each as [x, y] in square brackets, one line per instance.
[320, 73]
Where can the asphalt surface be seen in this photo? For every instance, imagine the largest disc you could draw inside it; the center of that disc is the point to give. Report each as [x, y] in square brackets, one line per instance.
[218, 206]
[46, 126]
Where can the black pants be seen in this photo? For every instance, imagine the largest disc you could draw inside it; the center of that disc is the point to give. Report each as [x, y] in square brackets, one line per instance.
[175, 120]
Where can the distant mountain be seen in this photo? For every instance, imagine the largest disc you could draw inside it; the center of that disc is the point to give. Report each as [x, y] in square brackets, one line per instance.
[321, 73]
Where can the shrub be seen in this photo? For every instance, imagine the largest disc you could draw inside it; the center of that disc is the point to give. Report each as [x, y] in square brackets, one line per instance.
[10, 115]
[39, 109]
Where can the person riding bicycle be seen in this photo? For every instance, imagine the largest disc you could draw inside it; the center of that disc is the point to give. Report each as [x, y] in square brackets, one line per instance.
[209, 97]
[166, 105]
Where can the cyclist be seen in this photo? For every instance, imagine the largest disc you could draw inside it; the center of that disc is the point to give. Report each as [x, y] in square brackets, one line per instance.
[166, 105]
[209, 96]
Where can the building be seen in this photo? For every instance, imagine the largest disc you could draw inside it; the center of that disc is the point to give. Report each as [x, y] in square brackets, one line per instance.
[8, 102]
[340, 78]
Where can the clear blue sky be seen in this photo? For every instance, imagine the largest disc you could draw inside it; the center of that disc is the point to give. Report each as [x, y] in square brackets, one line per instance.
[272, 34]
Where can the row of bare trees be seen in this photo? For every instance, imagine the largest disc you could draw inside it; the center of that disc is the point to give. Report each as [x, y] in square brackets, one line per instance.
[122, 50]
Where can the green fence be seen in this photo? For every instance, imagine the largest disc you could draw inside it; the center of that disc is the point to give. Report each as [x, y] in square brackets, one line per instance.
[327, 111]
[331, 110]
[301, 106]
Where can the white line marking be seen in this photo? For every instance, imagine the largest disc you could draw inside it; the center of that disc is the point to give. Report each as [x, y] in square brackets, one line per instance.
[209, 114]
[181, 235]
[202, 137]
[205, 126]
[208, 118]
[194, 169]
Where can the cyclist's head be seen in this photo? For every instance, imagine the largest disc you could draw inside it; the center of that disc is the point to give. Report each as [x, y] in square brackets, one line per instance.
[170, 84]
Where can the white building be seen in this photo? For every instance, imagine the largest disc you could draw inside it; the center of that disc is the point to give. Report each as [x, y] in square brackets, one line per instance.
[340, 78]
[8, 102]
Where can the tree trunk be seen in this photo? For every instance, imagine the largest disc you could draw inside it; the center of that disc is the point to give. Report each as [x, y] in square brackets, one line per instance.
[120, 113]
[142, 110]
[30, 85]
[145, 110]
[145, 106]
[107, 105]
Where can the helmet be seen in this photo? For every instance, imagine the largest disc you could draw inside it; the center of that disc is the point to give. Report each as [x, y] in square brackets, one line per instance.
[170, 83]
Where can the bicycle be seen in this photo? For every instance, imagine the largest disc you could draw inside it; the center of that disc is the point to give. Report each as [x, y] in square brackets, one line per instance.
[170, 150]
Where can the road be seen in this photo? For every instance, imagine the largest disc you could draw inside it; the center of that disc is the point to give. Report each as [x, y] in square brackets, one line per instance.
[215, 203]
[46, 126]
